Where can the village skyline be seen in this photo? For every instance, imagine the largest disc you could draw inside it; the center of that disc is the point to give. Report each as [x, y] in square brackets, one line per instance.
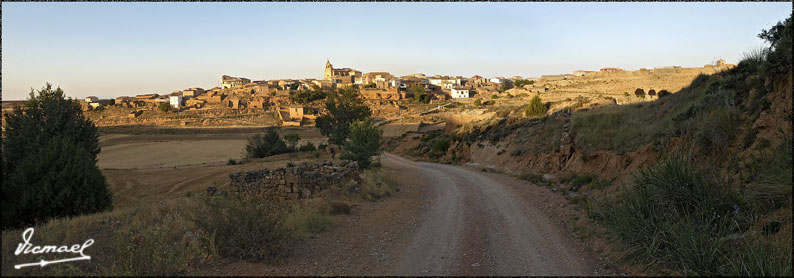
[112, 49]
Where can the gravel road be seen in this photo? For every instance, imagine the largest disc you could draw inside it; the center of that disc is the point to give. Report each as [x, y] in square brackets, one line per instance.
[445, 220]
[475, 225]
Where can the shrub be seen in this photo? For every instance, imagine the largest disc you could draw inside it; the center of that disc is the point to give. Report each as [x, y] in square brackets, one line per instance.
[231, 162]
[477, 102]
[363, 143]
[49, 161]
[244, 229]
[307, 147]
[521, 82]
[165, 107]
[582, 180]
[536, 108]
[419, 93]
[264, 145]
[292, 139]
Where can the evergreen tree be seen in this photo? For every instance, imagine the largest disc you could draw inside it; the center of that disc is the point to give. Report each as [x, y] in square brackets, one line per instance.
[536, 108]
[49, 161]
[363, 143]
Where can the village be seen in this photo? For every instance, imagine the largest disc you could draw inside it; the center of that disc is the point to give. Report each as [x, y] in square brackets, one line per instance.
[294, 102]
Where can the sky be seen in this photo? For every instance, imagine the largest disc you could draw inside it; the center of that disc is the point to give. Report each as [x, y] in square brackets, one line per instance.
[110, 49]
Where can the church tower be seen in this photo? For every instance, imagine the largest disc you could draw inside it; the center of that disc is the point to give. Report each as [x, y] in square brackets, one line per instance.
[329, 70]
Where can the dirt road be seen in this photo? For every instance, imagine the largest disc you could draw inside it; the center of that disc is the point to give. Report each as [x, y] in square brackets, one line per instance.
[476, 225]
[445, 220]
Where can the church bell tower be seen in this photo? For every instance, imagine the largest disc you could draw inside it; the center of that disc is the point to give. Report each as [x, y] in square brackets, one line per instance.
[329, 70]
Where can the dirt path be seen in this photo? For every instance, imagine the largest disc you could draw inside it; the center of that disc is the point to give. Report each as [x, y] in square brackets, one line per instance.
[446, 220]
[476, 225]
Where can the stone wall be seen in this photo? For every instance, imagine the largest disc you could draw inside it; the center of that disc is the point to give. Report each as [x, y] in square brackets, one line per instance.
[292, 183]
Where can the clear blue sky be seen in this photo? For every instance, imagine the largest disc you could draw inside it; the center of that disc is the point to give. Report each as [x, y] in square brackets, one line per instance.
[113, 49]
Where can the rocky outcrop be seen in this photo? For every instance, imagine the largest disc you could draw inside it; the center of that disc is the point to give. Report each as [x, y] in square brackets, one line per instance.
[293, 183]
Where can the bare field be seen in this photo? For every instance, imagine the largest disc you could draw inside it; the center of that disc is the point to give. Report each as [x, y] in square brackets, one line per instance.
[153, 167]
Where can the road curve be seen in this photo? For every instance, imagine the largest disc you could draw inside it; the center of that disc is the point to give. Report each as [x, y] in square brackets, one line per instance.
[474, 225]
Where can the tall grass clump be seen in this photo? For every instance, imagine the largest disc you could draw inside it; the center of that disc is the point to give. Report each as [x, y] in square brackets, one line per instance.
[680, 215]
[243, 229]
[304, 220]
[755, 57]
[718, 129]
[673, 214]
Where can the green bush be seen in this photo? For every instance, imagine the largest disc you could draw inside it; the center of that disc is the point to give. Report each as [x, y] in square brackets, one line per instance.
[521, 82]
[307, 147]
[344, 107]
[49, 162]
[165, 107]
[536, 108]
[292, 139]
[264, 145]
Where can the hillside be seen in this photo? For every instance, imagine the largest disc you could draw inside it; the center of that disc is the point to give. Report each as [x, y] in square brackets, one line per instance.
[696, 182]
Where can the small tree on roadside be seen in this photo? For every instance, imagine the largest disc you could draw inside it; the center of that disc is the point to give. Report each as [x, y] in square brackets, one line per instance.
[49, 162]
[344, 107]
[536, 108]
[363, 143]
